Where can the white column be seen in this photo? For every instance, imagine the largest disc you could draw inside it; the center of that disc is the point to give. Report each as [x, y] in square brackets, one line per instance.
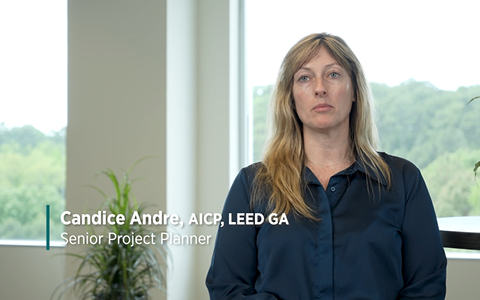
[181, 140]
[217, 130]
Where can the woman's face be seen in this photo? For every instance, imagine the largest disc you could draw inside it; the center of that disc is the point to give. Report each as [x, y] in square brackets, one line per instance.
[323, 94]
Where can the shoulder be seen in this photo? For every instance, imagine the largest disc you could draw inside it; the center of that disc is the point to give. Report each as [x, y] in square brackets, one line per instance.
[246, 175]
[399, 165]
[405, 175]
[252, 169]
[242, 189]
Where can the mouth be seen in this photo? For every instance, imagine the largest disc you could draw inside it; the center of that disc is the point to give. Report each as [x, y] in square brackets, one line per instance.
[322, 107]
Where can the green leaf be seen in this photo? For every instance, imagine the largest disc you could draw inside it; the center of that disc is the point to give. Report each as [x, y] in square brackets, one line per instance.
[473, 99]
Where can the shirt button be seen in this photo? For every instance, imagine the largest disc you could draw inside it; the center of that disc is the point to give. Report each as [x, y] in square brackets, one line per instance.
[332, 189]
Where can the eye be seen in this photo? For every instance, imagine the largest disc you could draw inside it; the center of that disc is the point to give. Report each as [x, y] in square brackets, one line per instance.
[333, 75]
[303, 78]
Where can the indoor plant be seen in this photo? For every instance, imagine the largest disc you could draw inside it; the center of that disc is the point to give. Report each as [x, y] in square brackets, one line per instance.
[117, 271]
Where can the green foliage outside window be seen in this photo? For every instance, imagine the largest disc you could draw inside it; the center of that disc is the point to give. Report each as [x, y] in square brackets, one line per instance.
[32, 175]
[432, 128]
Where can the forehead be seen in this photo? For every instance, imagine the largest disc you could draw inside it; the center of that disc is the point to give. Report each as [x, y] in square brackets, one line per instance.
[321, 56]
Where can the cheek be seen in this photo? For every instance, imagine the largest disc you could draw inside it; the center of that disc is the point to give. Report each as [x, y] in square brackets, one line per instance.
[299, 98]
[295, 96]
[299, 106]
[301, 110]
[349, 90]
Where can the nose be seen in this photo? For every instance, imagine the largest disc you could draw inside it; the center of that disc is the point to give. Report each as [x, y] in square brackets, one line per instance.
[320, 90]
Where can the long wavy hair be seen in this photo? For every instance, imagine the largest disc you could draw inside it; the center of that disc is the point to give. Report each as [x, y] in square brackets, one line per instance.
[279, 178]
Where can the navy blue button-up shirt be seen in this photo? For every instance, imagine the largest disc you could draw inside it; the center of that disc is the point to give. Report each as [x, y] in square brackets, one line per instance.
[368, 244]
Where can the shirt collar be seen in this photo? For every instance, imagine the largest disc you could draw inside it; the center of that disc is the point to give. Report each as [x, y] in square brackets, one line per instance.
[368, 171]
[310, 178]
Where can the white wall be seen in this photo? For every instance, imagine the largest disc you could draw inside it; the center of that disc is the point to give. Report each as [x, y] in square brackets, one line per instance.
[157, 78]
[116, 101]
[463, 279]
[29, 272]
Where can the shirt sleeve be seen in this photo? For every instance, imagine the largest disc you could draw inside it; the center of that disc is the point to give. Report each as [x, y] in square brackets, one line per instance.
[424, 261]
[233, 270]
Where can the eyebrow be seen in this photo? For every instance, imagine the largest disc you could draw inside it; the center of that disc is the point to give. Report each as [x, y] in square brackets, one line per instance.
[333, 64]
[326, 66]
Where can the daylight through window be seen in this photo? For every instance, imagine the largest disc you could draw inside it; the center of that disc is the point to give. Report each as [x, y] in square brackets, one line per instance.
[423, 67]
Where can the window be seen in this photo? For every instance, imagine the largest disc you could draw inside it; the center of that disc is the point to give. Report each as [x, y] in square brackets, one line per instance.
[33, 117]
[422, 61]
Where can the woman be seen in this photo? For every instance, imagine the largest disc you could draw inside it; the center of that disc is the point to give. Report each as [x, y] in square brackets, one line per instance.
[361, 224]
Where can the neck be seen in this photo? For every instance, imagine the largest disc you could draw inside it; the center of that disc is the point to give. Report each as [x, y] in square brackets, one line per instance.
[327, 149]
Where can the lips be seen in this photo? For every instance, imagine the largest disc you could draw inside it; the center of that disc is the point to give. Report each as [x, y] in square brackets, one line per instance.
[322, 107]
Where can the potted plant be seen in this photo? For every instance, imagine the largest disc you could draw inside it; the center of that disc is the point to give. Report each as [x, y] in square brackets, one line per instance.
[116, 271]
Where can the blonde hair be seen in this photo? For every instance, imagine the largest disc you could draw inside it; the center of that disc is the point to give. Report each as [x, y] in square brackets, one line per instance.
[279, 177]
